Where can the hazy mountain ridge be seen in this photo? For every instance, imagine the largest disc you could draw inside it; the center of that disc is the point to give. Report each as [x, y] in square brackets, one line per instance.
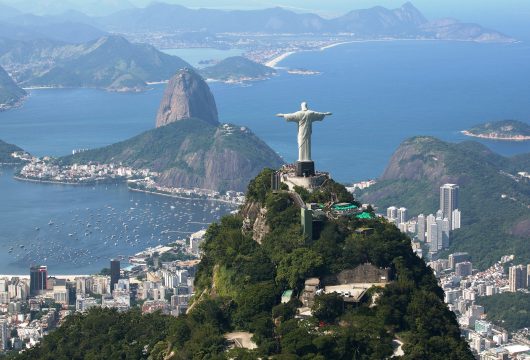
[489, 197]
[404, 22]
[109, 62]
[10, 93]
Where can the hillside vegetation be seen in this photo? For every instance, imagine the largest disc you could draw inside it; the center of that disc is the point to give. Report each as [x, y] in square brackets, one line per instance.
[191, 153]
[501, 130]
[508, 310]
[110, 62]
[494, 203]
[237, 68]
[238, 287]
[5, 153]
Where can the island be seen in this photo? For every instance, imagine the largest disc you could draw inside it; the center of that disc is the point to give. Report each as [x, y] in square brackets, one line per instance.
[237, 69]
[510, 130]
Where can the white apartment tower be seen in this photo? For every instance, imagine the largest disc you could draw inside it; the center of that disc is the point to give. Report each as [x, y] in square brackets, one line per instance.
[402, 215]
[421, 227]
[448, 200]
[391, 213]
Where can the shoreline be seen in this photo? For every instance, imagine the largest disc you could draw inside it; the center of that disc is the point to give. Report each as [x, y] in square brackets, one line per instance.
[182, 197]
[490, 137]
[274, 62]
[64, 182]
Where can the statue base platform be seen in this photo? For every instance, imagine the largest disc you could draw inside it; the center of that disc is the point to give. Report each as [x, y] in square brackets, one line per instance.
[305, 168]
[307, 182]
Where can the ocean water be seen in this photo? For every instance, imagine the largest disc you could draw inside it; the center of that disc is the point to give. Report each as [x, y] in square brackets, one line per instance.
[77, 229]
[380, 93]
[195, 55]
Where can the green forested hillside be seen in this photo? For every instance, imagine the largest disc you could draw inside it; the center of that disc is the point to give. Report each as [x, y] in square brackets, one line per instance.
[237, 68]
[238, 287]
[5, 153]
[110, 62]
[508, 310]
[493, 202]
[191, 153]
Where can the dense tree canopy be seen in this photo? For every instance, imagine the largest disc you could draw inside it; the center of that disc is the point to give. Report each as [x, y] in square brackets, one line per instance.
[238, 287]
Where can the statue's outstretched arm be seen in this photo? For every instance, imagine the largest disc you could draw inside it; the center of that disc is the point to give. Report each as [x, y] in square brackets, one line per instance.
[288, 117]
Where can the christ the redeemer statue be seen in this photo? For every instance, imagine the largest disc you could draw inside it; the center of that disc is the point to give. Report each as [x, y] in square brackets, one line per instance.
[305, 119]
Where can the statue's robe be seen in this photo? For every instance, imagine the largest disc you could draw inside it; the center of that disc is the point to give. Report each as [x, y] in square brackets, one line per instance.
[305, 119]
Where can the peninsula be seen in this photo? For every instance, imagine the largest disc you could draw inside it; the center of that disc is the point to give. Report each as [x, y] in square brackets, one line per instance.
[510, 130]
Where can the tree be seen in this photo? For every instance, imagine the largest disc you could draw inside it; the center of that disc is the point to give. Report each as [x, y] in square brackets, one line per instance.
[328, 307]
[298, 265]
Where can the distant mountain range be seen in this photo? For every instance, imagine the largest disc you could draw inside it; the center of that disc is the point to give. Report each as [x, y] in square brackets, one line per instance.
[110, 62]
[494, 201]
[376, 22]
[10, 93]
[403, 22]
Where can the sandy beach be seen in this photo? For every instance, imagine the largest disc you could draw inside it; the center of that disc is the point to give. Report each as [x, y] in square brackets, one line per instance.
[274, 62]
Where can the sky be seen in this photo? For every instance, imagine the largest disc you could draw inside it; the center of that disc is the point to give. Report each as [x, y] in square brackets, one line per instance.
[509, 16]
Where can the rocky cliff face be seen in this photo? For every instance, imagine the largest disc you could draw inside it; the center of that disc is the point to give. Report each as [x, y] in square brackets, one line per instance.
[187, 96]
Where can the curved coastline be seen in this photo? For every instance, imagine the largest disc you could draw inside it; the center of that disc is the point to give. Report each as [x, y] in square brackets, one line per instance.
[496, 137]
[20, 178]
[183, 197]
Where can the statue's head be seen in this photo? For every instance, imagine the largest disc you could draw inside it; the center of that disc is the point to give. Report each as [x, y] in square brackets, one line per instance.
[304, 106]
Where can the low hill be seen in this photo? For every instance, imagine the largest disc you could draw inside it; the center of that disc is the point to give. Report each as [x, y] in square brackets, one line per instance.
[494, 202]
[191, 153]
[110, 62]
[512, 130]
[10, 93]
[239, 284]
[5, 153]
[236, 69]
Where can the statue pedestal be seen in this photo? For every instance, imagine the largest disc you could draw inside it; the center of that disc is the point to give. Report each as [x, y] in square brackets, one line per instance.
[305, 168]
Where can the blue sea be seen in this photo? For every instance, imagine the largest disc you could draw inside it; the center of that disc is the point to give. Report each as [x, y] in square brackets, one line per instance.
[380, 93]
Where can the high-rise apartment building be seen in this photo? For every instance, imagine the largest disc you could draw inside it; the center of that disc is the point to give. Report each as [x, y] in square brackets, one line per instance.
[448, 200]
[3, 335]
[446, 231]
[433, 237]
[114, 273]
[458, 257]
[420, 227]
[464, 268]
[455, 219]
[391, 213]
[518, 277]
[430, 220]
[402, 215]
[37, 279]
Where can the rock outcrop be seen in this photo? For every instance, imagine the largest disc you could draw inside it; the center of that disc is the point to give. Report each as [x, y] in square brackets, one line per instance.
[187, 96]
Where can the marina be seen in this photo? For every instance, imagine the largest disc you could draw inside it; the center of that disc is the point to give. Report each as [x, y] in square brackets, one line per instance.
[93, 224]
